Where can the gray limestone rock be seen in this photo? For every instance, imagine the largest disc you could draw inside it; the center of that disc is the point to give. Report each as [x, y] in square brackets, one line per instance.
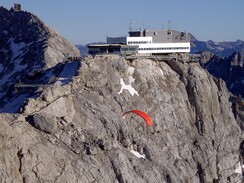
[27, 42]
[44, 123]
[195, 136]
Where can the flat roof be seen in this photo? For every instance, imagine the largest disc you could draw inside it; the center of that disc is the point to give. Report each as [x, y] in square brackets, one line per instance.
[112, 45]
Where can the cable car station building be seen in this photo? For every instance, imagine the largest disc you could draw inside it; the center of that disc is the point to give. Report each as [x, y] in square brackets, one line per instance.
[148, 42]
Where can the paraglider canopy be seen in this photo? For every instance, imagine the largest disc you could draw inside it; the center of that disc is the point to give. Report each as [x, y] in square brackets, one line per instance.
[142, 114]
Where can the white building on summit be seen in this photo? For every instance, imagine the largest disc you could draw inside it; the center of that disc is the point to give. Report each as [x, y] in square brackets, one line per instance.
[145, 42]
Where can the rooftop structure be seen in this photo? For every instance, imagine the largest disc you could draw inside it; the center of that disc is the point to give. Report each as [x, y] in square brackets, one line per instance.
[17, 7]
[162, 36]
[145, 42]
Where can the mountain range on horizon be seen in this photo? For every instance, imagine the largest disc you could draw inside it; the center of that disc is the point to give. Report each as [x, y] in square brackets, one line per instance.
[224, 49]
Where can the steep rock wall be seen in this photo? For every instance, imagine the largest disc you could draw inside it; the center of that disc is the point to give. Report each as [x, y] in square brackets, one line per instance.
[76, 132]
[27, 42]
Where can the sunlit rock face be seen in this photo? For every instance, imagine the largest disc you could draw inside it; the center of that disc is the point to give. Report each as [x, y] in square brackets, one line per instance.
[75, 132]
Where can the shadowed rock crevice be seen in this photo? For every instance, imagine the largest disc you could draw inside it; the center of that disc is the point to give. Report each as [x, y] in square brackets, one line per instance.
[200, 173]
[117, 172]
[20, 156]
[168, 178]
[200, 126]
[242, 152]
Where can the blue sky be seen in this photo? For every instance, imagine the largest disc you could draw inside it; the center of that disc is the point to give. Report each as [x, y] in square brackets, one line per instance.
[82, 22]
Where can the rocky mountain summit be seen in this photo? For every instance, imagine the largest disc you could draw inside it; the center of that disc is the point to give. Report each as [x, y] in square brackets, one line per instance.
[70, 127]
[28, 46]
[222, 49]
[27, 42]
[229, 69]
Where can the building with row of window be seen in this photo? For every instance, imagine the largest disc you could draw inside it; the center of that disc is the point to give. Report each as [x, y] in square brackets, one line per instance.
[145, 42]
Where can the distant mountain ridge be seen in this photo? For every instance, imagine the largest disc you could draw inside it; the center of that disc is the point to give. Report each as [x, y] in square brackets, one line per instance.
[223, 60]
[230, 69]
[224, 49]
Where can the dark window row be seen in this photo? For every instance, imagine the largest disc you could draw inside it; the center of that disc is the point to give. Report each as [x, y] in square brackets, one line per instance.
[139, 42]
[128, 49]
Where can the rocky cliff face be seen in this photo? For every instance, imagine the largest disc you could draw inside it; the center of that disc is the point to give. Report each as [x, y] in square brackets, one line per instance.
[27, 42]
[28, 46]
[76, 133]
[223, 49]
[229, 69]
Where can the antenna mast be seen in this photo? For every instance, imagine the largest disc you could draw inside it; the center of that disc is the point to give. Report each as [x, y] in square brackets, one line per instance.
[130, 26]
[169, 24]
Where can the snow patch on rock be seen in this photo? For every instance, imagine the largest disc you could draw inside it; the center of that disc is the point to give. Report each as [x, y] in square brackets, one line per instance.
[131, 80]
[163, 77]
[137, 154]
[67, 73]
[127, 87]
[239, 168]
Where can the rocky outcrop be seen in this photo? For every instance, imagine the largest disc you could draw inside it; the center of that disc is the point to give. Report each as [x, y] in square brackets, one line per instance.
[236, 59]
[27, 43]
[229, 69]
[30, 53]
[223, 49]
[76, 133]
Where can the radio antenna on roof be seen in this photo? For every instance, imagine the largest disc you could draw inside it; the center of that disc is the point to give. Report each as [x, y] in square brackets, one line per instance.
[162, 26]
[169, 24]
[130, 26]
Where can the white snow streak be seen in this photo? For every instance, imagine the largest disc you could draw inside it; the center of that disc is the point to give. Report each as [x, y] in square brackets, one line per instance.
[162, 73]
[14, 105]
[131, 80]
[127, 87]
[67, 73]
[18, 53]
[16, 48]
[137, 154]
[239, 169]
[163, 77]
[16, 68]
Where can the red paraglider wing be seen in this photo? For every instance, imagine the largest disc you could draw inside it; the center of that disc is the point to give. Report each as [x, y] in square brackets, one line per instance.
[142, 114]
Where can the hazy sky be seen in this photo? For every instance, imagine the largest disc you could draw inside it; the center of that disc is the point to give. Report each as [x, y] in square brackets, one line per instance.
[82, 22]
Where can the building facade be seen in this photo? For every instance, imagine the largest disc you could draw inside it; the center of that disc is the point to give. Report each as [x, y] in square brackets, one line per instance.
[145, 42]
